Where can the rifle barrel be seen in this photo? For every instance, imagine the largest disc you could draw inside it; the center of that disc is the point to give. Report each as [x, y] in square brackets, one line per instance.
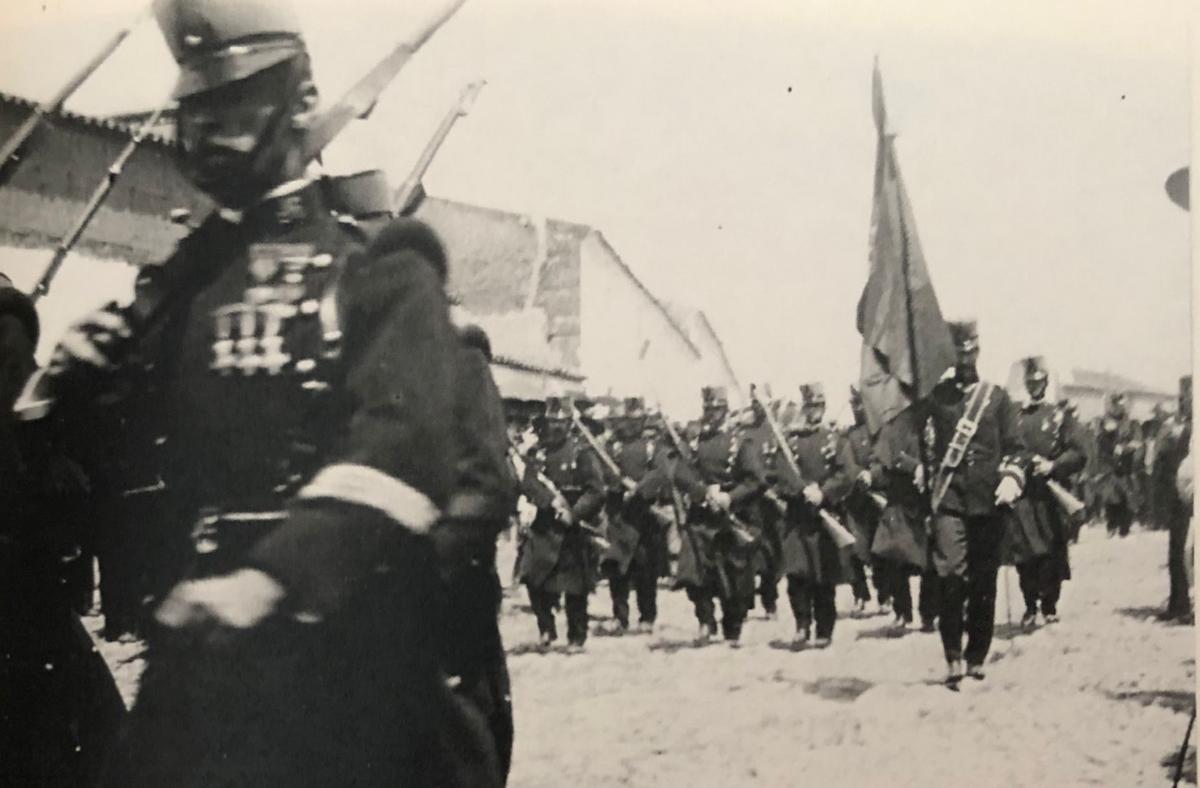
[93, 205]
[18, 138]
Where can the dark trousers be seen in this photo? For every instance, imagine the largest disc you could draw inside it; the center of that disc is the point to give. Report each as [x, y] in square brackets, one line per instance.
[1119, 518]
[967, 558]
[858, 580]
[768, 590]
[884, 582]
[474, 652]
[357, 698]
[1041, 582]
[733, 610]
[544, 604]
[643, 580]
[1178, 603]
[891, 581]
[812, 600]
[929, 596]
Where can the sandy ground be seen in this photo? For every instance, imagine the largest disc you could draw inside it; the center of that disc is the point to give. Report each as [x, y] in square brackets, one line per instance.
[1100, 698]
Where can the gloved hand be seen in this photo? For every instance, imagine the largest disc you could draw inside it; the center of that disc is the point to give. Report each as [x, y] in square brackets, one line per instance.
[717, 499]
[1007, 492]
[239, 600]
[1042, 466]
[813, 494]
[864, 478]
[93, 341]
[919, 478]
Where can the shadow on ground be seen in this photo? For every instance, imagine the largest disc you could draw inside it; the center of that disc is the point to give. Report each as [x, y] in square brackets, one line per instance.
[1175, 700]
[673, 646]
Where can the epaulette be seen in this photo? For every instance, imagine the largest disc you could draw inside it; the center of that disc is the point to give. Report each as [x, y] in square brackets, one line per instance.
[405, 234]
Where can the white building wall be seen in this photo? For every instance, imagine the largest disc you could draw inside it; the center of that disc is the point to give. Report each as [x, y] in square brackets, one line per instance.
[627, 344]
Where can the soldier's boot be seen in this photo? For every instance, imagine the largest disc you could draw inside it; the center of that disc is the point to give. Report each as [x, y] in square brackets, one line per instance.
[954, 673]
[976, 672]
[800, 639]
[1029, 620]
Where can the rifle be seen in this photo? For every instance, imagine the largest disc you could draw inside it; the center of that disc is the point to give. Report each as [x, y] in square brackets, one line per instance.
[147, 311]
[93, 205]
[840, 534]
[12, 145]
[596, 536]
[407, 197]
[626, 482]
[1070, 505]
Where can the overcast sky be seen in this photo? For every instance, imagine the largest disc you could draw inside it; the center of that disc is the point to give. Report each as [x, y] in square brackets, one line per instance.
[726, 150]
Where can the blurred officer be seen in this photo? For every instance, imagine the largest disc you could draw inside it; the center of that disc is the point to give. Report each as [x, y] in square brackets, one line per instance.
[465, 539]
[301, 382]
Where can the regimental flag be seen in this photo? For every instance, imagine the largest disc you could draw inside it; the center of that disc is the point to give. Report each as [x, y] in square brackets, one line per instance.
[906, 343]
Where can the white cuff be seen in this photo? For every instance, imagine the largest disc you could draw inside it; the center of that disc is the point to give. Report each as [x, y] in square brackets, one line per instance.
[370, 487]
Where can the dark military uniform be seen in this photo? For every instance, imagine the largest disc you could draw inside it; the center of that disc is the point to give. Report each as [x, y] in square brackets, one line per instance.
[1118, 457]
[967, 526]
[325, 490]
[763, 514]
[900, 547]
[862, 516]
[714, 560]
[1176, 510]
[1038, 528]
[59, 707]
[812, 561]
[636, 535]
[558, 558]
[478, 510]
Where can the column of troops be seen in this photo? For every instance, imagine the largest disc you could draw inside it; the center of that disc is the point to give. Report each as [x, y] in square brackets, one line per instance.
[720, 510]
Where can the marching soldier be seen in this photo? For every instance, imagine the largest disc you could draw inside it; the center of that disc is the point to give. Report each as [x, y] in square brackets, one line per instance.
[972, 426]
[862, 512]
[811, 559]
[566, 483]
[901, 545]
[636, 534]
[300, 382]
[465, 542]
[763, 513]
[1118, 455]
[1039, 529]
[714, 559]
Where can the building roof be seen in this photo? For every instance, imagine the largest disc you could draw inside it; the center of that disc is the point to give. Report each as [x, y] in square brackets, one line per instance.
[1109, 382]
[117, 123]
[666, 312]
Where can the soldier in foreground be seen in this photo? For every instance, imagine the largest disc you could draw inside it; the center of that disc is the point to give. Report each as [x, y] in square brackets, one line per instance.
[301, 384]
[811, 559]
[567, 485]
[465, 540]
[1040, 530]
[972, 426]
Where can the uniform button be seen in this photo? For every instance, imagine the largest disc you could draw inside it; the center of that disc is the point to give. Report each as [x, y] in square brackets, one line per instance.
[309, 306]
[306, 365]
[322, 261]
